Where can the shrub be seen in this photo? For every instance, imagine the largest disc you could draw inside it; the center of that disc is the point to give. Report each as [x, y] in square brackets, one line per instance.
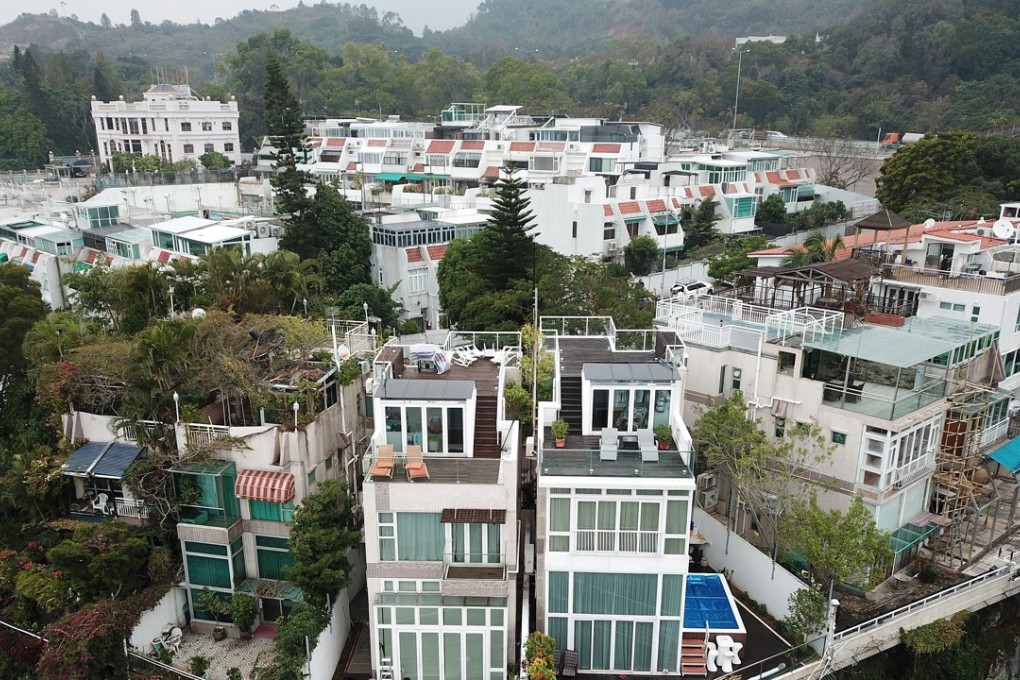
[539, 646]
[198, 665]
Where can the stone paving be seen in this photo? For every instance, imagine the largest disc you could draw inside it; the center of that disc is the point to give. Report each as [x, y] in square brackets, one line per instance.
[224, 655]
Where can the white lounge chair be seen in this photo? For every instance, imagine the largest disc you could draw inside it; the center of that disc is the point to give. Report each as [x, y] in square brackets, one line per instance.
[609, 444]
[646, 442]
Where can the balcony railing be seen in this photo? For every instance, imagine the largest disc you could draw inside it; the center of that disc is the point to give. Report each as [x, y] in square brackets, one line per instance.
[440, 469]
[130, 507]
[873, 400]
[993, 283]
[914, 470]
[200, 433]
[612, 541]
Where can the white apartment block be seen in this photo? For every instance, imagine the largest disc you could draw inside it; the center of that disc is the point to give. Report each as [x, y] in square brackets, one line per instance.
[170, 122]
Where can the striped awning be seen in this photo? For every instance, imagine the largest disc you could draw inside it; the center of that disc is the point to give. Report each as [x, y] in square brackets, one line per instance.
[264, 485]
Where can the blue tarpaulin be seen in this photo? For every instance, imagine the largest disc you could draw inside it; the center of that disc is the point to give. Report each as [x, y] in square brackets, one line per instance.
[1008, 455]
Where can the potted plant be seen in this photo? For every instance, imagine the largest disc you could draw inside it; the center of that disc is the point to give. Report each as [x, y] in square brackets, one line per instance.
[244, 610]
[214, 605]
[198, 665]
[664, 435]
[559, 429]
[234, 673]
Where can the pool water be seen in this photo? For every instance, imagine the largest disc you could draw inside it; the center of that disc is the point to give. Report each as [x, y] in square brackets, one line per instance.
[708, 600]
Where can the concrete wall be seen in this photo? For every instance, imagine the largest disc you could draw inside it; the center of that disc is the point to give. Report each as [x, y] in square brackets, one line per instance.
[168, 610]
[663, 281]
[331, 642]
[749, 569]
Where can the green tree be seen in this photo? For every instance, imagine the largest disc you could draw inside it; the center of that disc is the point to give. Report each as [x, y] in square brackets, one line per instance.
[734, 256]
[839, 546]
[772, 209]
[285, 129]
[21, 305]
[928, 170]
[337, 237]
[640, 254]
[507, 246]
[322, 535]
[700, 230]
[815, 249]
[102, 560]
[214, 160]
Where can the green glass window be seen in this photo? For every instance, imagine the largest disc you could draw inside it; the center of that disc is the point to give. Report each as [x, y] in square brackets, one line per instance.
[272, 512]
[619, 594]
[208, 571]
[558, 591]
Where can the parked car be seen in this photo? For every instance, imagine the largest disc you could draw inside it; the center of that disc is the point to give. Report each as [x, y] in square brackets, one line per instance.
[775, 134]
[691, 289]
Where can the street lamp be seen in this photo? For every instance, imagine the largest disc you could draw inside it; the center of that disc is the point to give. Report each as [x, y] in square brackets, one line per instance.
[171, 291]
[295, 406]
[177, 407]
[304, 301]
[736, 99]
[364, 305]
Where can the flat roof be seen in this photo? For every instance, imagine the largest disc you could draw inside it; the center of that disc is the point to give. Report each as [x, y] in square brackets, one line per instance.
[459, 220]
[917, 341]
[587, 463]
[446, 390]
[629, 373]
[132, 236]
[59, 235]
[215, 234]
[179, 225]
[33, 232]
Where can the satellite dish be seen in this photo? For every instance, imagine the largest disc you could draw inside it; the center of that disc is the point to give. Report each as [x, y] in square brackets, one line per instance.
[1003, 229]
[929, 223]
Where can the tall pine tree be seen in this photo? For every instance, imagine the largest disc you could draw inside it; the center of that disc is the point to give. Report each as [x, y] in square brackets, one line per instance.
[285, 130]
[507, 247]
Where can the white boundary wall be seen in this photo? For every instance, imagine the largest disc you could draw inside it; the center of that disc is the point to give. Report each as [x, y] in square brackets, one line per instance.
[168, 610]
[748, 568]
[330, 645]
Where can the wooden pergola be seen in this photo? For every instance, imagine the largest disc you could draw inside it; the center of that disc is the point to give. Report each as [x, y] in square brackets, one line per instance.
[832, 285]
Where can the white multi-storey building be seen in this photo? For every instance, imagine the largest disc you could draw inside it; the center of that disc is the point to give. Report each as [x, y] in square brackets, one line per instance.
[170, 122]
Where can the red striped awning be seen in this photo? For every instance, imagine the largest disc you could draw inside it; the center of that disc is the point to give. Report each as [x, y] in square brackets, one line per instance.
[264, 485]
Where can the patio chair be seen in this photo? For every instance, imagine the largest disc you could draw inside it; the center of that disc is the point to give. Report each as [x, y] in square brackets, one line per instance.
[415, 467]
[569, 664]
[609, 444]
[99, 503]
[646, 442]
[383, 466]
[172, 642]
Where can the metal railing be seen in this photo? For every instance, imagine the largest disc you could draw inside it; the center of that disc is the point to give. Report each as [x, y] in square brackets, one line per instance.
[975, 283]
[201, 433]
[999, 573]
[130, 507]
[616, 541]
[452, 469]
[495, 340]
[578, 326]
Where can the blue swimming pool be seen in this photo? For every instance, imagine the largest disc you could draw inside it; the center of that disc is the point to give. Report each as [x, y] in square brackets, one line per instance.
[708, 600]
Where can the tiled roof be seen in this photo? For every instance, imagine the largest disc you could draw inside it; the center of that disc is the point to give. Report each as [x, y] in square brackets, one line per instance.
[352, 166]
[676, 202]
[862, 240]
[522, 146]
[630, 208]
[376, 142]
[552, 146]
[707, 191]
[656, 205]
[164, 256]
[441, 146]
[419, 167]
[605, 148]
[608, 210]
[491, 171]
[335, 142]
[472, 145]
[35, 256]
[437, 252]
[414, 254]
[314, 142]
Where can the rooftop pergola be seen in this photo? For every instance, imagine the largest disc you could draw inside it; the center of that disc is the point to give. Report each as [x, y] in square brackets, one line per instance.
[826, 284]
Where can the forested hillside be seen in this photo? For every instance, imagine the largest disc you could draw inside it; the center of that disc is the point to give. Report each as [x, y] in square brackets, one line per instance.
[917, 65]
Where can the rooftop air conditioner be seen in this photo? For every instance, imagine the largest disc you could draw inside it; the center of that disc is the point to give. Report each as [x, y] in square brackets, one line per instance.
[708, 499]
[926, 295]
[366, 367]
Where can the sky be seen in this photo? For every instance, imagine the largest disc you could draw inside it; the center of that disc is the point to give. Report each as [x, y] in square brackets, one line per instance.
[437, 14]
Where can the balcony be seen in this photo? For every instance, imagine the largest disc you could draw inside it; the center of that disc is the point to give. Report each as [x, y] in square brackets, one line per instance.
[879, 400]
[616, 542]
[991, 283]
[440, 469]
[474, 566]
[206, 494]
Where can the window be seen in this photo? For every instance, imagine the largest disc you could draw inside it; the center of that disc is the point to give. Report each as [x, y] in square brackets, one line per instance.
[722, 379]
[601, 164]
[311, 478]
[839, 438]
[273, 555]
[417, 279]
[787, 361]
[737, 374]
[587, 199]
[559, 525]
[464, 160]
[227, 126]
[207, 127]
[185, 127]
[615, 594]
[272, 512]
[394, 158]
[608, 231]
[229, 146]
[975, 312]
[573, 229]
[476, 543]
[617, 526]
[189, 148]
[412, 536]
[437, 162]
[547, 163]
[780, 430]
[209, 148]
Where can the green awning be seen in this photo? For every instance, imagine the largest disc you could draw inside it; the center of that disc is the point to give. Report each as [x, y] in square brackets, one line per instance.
[634, 218]
[277, 590]
[908, 535]
[418, 177]
[665, 219]
[78, 266]
[1008, 455]
[389, 177]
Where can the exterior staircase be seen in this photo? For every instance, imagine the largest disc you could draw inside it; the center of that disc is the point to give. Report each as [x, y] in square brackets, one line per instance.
[692, 655]
[570, 402]
[486, 439]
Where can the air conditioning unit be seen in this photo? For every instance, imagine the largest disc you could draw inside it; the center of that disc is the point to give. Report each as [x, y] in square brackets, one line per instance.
[706, 481]
[708, 498]
[611, 247]
[263, 230]
[926, 295]
[572, 146]
[276, 232]
[366, 367]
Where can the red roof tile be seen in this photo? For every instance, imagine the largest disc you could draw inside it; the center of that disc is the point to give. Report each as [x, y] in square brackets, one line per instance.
[376, 142]
[314, 142]
[441, 146]
[437, 252]
[676, 202]
[630, 208]
[491, 171]
[522, 146]
[352, 166]
[656, 206]
[608, 210]
[414, 254]
[605, 148]
[419, 167]
[773, 177]
[335, 142]
[91, 256]
[35, 256]
[707, 191]
[552, 146]
[164, 256]
[472, 145]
